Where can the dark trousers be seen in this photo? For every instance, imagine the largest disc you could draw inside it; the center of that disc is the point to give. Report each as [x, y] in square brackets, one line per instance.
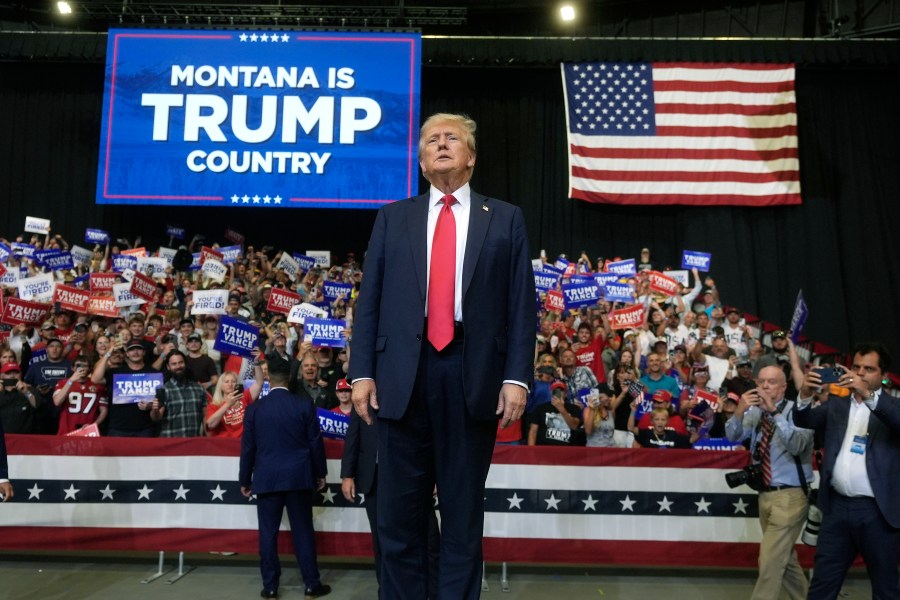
[434, 541]
[855, 526]
[269, 509]
[436, 442]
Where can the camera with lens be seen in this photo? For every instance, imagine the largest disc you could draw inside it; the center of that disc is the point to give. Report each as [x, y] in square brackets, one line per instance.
[751, 475]
[813, 521]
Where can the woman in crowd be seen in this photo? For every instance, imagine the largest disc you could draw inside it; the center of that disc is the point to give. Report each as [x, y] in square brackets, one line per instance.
[599, 423]
[225, 410]
[623, 375]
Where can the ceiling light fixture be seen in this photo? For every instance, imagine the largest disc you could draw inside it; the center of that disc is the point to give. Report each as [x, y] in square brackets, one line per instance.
[567, 12]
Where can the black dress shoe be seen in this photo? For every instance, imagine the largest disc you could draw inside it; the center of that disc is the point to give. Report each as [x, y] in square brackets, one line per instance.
[318, 591]
[268, 593]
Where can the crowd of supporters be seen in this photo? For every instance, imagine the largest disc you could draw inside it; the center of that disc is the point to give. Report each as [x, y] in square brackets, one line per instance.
[670, 382]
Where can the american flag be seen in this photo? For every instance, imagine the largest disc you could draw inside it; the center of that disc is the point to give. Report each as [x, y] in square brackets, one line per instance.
[682, 133]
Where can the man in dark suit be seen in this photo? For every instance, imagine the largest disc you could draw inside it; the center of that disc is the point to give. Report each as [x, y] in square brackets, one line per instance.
[359, 465]
[444, 326]
[6, 489]
[859, 488]
[282, 463]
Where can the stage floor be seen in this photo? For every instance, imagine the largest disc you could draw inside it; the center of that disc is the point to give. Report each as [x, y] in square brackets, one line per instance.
[113, 576]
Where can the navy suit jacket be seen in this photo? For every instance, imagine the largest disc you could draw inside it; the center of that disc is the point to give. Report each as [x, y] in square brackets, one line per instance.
[360, 456]
[882, 448]
[497, 304]
[281, 447]
[4, 467]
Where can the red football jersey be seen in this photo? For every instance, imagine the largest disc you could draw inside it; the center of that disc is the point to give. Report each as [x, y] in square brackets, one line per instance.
[82, 405]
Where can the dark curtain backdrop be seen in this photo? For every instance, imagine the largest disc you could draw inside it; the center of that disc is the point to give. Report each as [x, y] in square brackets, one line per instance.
[839, 246]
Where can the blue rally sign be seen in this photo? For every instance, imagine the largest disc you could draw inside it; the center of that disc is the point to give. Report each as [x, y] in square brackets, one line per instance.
[333, 424]
[333, 290]
[236, 337]
[622, 267]
[128, 388]
[259, 118]
[96, 236]
[618, 292]
[578, 294]
[325, 332]
[691, 259]
[545, 280]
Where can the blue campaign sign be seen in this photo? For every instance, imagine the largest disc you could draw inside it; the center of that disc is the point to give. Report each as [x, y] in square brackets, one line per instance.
[128, 388]
[120, 262]
[798, 319]
[175, 231]
[5, 252]
[335, 289]
[20, 249]
[236, 337]
[259, 118]
[81, 279]
[622, 267]
[39, 255]
[231, 254]
[333, 424]
[618, 292]
[325, 332]
[603, 278]
[580, 294]
[691, 259]
[58, 261]
[545, 280]
[37, 356]
[717, 444]
[96, 236]
[306, 262]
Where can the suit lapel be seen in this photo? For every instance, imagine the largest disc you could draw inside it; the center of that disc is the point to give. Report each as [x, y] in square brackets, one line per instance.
[480, 213]
[417, 227]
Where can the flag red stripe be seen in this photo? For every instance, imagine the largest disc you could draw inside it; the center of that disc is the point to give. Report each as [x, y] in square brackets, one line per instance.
[704, 199]
[760, 87]
[724, 65]
[726, 131]
[725, 109]
[686, 153]
[701, 176]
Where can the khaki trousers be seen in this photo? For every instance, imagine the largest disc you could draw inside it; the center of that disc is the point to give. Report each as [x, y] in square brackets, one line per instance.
[782, 515]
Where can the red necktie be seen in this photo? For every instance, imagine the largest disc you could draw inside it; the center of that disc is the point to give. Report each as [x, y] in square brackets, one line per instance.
[442, 280]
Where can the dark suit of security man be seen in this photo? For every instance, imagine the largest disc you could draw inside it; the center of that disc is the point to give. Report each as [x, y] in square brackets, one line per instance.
[438, 406]
[283, 463]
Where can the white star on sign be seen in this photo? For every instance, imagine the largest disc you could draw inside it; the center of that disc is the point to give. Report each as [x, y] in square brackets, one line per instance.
[107, 493]
[144, 493]
[264, 37]
[181, 492]
[218, 493]
[740, 506]
[590, 503]
[627, 504]
[70, 492]
[256, 199]
[277, 199]
[703, 505]
[243, 37]
[266, 199]
[665, 504]
[552, 502]
[328, 495]
[35, 492]
[285, 37]
[515, 501]
[234, 199]
[253, 37]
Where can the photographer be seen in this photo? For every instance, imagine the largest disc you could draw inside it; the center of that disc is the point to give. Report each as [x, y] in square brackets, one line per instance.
[780, 451]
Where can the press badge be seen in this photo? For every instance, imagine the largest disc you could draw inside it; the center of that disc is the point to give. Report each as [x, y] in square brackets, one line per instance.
[859, 444]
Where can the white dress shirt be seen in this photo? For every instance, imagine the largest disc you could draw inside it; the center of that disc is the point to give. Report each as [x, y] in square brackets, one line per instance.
[460, 210]
[850, 476]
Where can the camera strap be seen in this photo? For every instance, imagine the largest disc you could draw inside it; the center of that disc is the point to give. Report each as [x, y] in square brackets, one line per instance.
[800, 475]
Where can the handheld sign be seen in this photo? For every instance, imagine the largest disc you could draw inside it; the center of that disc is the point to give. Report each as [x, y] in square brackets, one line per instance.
[627, 318]
[231, 254]
[5, 252]
[798, 320]
[325, 332]
[129, 388]
[152, 266]
[622, 267]
[289, 265]
[143, 287]
[333, 424]
[662, 284]
[306, 262]
[38, 288]
[124, 297]
[236, 337]
[209, 302]
[618, 292]
[332, 290]
[207, 253]
[691, 259]
[81, 256]
[322, 257]
[581, 294]
[679, 275]
[24, 312]
[604, 278]
[710, 398]
[175, 231]
[9, 279]
[214, 269]
[556, 302]
[301, 312]
[135, 252]
[71, 298]
[23, 250]
[103, 306]
[233, 236]
[37, 225]
[544, 280]
[86, 431]
[167, 254]
[96, 236]
[282, 301]
[103, 282]
[121, 262]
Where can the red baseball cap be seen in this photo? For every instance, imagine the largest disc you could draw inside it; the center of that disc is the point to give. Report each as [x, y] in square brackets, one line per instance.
[342, 385]
[662, 396]
[10, 367]
[558, 385]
